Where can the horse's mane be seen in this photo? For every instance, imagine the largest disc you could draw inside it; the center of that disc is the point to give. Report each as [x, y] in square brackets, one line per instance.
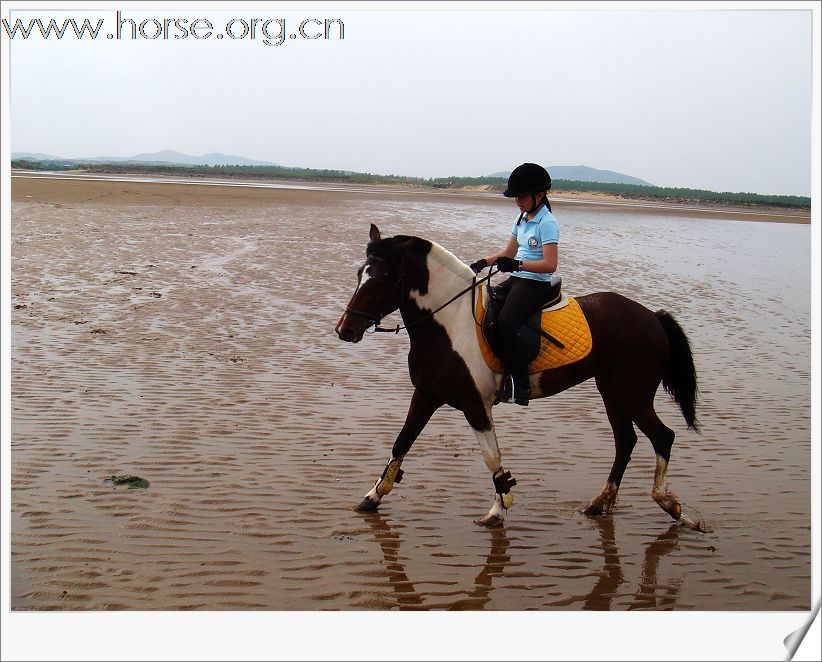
[450, 261]
[386, 248]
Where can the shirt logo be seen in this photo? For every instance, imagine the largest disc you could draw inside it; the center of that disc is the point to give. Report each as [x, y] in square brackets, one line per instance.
[532, 242]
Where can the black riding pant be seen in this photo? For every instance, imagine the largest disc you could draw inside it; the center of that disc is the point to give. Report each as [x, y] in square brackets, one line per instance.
[524, 296]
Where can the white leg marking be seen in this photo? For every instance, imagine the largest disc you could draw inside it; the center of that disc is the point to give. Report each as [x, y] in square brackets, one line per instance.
[496, 515]
[666, 499]
[493, 460]
[373, 494]
[660, 488]
[490, 448]
[497, 510]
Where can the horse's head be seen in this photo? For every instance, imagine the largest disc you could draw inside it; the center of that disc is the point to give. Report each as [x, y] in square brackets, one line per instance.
[379, 285]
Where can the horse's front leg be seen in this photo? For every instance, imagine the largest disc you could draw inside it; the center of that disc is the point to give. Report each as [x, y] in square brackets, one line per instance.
[482, 424]
[419, 413]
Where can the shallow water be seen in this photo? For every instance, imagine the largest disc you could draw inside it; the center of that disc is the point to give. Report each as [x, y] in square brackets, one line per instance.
[187, 338]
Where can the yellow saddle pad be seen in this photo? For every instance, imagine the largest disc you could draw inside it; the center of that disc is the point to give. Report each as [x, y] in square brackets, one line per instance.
[568, 325]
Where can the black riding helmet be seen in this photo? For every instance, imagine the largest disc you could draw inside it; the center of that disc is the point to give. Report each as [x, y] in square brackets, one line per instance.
[527, 178]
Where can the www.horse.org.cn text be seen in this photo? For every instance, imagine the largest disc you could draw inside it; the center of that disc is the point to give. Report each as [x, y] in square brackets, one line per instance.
[268, 31]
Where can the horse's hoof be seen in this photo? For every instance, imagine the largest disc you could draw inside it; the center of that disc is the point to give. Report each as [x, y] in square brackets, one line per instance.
[699, 525]
[367, 506]
[593, 510]
[490, 521]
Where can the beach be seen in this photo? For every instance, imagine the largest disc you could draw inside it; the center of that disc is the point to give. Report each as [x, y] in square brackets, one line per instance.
[559, 196]
[184, 333]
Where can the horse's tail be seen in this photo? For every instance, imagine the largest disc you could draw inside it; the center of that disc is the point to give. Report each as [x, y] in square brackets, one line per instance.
[679, 379]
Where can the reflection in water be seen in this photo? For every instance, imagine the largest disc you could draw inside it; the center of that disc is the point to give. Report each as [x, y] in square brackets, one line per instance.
[612, 577]
[389, 542]
[646, 597]
[406, 593]
[494, 564]
[649, 595]
[603, 591]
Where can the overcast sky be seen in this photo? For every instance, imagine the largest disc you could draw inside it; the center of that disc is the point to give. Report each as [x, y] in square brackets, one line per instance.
[709, 99]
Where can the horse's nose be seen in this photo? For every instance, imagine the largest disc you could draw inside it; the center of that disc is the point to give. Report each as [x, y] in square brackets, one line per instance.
[347, 334]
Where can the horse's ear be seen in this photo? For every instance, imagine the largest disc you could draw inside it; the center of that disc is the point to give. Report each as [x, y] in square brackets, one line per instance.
[375, 233]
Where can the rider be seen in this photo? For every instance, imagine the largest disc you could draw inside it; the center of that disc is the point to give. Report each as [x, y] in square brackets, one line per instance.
[531, 257]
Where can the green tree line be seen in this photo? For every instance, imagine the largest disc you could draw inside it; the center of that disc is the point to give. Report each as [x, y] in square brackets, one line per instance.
[330, 176]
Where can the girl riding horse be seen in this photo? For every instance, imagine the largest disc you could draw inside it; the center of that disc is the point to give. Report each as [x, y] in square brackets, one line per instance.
[531, 256]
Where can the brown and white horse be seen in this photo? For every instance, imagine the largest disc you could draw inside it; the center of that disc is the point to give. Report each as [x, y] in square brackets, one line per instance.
[633, 350]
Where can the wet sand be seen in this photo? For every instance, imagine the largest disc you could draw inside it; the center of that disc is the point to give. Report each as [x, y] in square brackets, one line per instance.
[184, 334]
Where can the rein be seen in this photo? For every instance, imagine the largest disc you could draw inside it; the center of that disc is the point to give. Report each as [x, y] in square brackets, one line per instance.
[398, 282]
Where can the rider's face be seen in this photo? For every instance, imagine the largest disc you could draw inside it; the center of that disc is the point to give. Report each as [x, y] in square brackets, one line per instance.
[526, 202]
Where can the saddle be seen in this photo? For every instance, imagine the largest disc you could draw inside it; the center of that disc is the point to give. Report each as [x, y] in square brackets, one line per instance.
[555, 335]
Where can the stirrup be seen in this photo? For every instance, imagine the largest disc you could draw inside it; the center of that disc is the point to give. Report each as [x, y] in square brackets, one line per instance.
[506, 388]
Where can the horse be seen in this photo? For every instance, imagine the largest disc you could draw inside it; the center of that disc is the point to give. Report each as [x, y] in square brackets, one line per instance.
[633, 350]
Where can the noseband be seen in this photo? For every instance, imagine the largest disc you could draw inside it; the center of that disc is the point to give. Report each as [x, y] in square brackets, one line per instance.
[397, 285]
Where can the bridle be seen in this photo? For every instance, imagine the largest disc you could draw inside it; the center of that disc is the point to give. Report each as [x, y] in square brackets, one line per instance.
[397, 286]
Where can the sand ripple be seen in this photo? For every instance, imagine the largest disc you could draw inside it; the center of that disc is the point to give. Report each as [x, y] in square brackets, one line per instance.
[187, 337]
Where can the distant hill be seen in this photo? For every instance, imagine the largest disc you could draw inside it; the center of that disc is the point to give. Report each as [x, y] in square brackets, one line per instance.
[164, 157]
[212, 159]
[35, 156]
[583, 173]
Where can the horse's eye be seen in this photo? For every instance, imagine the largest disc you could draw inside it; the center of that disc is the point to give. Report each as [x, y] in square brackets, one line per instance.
[376, 271]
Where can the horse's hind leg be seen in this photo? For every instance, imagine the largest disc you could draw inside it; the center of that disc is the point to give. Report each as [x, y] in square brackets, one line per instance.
[624, 441]
[662, 439]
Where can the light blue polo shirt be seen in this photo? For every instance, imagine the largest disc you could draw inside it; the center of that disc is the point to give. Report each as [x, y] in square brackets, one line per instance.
[531, 236]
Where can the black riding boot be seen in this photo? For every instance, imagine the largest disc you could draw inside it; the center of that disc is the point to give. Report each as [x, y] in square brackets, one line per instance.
[521, 387]
[516, 385]
[518, 361]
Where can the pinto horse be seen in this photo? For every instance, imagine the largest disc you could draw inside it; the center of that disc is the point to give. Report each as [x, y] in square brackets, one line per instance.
[633, 350]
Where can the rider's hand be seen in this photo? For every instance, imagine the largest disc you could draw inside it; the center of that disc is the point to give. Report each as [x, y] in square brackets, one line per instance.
[508, 264]
[479, 265]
